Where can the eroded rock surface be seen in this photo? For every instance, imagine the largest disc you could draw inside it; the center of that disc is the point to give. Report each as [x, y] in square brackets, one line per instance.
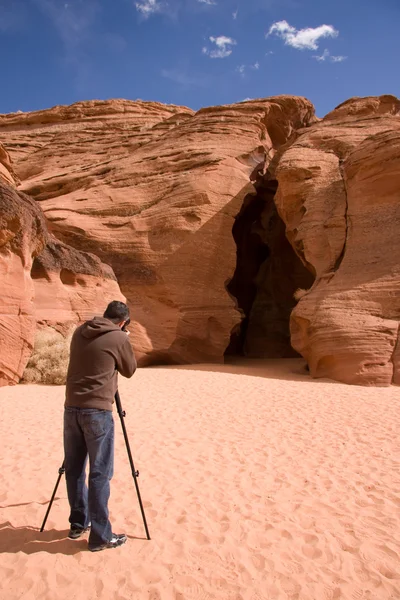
[43, 281]
[23, 234]
[70, 286]
[7, 173]
[153, 191]
[339, 196]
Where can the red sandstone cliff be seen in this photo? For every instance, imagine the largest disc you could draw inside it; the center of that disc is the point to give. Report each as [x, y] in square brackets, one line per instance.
[154, 191]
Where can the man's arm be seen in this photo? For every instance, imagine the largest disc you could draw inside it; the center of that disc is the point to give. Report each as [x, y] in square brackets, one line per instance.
[126, 362]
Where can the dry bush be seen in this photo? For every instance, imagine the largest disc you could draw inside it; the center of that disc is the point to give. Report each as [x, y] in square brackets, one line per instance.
[299, 294]
[48, 363]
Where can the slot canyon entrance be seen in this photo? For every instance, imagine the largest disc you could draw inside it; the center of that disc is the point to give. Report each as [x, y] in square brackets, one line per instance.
[268, 273]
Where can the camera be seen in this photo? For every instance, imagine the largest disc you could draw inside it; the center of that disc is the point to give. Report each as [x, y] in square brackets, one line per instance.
[124, 328]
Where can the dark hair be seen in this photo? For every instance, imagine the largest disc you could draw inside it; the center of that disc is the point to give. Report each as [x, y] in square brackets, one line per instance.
[117, 311]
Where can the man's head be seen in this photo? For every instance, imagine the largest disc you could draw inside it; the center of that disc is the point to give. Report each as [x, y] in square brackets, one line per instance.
[117, 312]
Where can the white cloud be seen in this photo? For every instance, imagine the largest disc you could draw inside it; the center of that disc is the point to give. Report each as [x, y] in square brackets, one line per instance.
[209, 2]
[235, 14]
[241, 69]
[224, 47]
[148, 7]
[326, 55]
[323, 56]
[302, 39]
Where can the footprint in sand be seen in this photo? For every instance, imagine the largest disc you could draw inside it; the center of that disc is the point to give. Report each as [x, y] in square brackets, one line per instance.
[361, 572]
[225, 525]
[350, 546]
[62, 580]
[258, 561]
[182, 519]
[201, 539]
[193, 592]
[289, 586]
[286, 534]
[310, 549]
[99, 586]
[330, 593]
[385, 550]
[385, 570]
[357, 594]
[291, 566]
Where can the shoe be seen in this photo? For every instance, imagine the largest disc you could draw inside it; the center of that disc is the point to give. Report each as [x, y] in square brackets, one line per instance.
[116, 540]
[76, 532]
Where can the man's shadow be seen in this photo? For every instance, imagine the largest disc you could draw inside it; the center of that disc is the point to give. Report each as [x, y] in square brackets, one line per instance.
[29, 540]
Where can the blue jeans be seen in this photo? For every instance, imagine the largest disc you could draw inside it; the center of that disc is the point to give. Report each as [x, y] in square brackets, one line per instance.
[89, 432]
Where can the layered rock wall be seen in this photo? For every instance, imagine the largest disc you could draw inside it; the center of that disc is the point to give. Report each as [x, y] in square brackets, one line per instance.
[23, 235]
[43, 281]
[339, 196]
[153, 191]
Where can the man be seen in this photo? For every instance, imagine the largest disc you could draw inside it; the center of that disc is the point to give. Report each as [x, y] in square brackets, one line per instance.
[99, 350]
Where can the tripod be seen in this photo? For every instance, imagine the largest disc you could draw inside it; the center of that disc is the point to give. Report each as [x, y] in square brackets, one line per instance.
[135, 474]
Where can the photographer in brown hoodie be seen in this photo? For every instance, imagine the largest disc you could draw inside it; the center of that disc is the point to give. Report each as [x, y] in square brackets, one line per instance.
[100, 349]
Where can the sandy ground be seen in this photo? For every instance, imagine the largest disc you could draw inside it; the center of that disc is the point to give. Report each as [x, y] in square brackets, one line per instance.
[258, 483]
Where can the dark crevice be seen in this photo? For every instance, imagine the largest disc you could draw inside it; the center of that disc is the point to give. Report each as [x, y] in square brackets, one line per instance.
[38, 271]
[395, 376]
[268, 273]
[340, 258]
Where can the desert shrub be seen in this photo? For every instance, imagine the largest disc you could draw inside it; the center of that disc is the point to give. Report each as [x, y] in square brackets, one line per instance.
[299, 293]
[48, 363]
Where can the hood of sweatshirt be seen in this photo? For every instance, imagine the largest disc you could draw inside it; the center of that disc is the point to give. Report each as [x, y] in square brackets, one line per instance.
[98, 326]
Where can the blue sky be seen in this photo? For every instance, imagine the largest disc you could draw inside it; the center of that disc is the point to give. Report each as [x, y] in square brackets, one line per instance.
[196, 52]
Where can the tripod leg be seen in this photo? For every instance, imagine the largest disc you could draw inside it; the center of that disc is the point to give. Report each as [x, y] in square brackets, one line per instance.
[61, 471]
[135, 473]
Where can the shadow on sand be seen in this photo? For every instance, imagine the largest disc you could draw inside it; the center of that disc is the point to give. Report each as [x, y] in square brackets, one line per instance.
[283, 369]
[29, 540]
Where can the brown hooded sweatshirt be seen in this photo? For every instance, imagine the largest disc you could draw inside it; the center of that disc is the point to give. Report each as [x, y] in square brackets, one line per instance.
[99, 350]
